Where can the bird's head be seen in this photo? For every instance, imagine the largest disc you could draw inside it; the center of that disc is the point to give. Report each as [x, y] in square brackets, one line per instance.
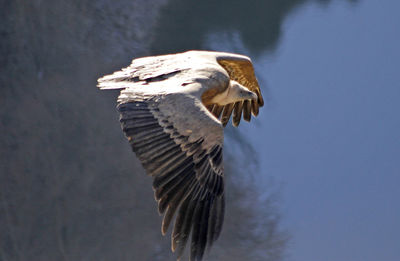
[237, 92]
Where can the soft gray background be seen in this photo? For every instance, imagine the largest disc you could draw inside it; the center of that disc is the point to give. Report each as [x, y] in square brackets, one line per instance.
[331, 132]
[314, 177]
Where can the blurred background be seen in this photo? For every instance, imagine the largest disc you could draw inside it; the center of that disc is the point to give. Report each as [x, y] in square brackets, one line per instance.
[314, 177]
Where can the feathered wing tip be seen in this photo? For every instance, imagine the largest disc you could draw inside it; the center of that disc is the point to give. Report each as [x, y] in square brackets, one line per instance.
[237, 113]
[227, 113]
[202, 219]
[117, 80]
[111, 85]
[247, 110]
[144, 70]
[188, 178]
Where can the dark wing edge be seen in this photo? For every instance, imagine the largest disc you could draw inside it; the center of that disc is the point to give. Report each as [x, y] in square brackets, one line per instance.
[240, 69]
[188, 180]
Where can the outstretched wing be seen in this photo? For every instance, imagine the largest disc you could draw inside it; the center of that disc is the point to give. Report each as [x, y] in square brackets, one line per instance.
[159, 68]
[146, 69]
[179, 144]
[241, 70]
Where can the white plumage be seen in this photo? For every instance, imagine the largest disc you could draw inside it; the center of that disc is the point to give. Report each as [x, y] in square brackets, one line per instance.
[173, 109]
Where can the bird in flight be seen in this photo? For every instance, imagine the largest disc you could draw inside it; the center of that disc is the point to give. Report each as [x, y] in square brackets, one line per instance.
[173, 109]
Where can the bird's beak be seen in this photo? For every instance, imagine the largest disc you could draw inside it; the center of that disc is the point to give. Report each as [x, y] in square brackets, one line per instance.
[253, 96]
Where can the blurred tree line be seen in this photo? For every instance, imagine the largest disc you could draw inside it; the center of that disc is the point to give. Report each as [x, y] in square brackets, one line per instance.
[70, 187]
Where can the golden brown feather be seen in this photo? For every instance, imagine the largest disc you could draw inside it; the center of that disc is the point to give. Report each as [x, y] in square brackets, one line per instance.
[242, 71]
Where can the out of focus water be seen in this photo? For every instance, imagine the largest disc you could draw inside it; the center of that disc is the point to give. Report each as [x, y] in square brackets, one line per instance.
[330, 131]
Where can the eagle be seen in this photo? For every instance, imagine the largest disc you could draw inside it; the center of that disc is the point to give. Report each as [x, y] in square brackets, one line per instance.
[173, 109]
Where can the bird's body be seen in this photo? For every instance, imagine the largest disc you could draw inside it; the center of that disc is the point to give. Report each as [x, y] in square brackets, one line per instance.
[173, 109]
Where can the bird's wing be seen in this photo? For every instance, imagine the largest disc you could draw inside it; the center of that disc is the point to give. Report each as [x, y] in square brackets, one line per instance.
[179, 143]
[160, 68]
[147, 69]
[241, 70]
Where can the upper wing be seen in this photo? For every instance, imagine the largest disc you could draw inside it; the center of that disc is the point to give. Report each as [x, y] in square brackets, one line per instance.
[179, 66]
[180, 144]
[241, 70]
[147, 69]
